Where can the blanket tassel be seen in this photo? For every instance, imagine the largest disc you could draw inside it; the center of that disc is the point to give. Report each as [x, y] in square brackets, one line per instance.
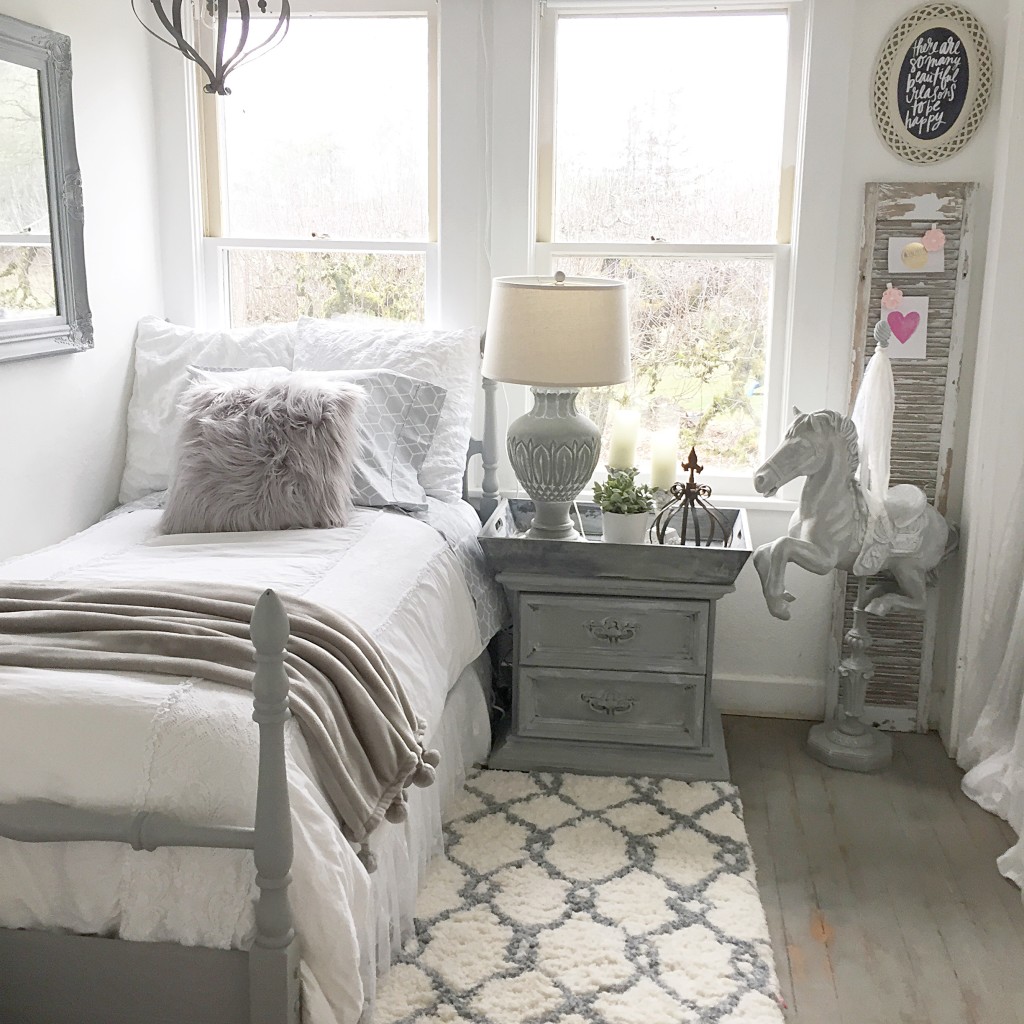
[369, 861]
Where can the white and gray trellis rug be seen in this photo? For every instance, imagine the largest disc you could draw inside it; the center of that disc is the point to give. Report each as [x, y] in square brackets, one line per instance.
[569, 899]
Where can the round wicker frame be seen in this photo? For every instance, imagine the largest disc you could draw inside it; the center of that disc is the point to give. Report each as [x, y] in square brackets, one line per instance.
[887, 69]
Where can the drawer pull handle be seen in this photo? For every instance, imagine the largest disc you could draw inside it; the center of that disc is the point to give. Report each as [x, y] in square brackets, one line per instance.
[612, 630]
[608, 703]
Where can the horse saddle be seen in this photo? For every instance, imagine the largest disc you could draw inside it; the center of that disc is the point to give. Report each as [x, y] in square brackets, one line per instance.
[899, 531]
[905, 503]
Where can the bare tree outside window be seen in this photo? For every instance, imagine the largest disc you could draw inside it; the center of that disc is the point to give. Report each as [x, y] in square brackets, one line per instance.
[27, 286]
[698, 330]
[274, 286]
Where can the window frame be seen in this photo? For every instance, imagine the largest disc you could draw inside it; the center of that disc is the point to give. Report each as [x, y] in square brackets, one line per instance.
[217, 246]
[487, 70]
[779, 253]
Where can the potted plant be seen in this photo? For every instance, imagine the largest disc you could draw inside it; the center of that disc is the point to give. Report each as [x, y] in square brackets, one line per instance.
[625, 506]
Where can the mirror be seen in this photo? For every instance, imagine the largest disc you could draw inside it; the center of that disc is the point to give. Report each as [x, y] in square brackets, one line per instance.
[44, 308]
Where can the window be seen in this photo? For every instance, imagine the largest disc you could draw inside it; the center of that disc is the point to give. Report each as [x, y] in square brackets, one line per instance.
[391, 156]
[319, 175]
[27, 284]
[662, 142]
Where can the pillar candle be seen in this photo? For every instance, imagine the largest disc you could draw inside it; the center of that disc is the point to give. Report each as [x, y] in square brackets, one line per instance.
[664, 459]
[622, 443]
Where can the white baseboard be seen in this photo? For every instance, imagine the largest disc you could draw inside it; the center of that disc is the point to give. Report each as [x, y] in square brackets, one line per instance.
[770, 697]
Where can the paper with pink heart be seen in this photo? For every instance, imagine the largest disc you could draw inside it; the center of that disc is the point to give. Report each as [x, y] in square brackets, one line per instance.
[903, 325]
[909, 325]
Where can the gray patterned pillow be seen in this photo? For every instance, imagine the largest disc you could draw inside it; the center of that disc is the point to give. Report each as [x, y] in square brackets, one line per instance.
[264, 455]
[397, 424]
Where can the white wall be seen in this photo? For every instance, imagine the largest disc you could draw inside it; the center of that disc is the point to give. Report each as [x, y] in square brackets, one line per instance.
[62, 418]
[762, 666]
[770, 667]
[996, 444]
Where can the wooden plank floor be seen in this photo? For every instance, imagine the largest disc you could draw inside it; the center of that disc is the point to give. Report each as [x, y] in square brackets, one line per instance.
[881, 891]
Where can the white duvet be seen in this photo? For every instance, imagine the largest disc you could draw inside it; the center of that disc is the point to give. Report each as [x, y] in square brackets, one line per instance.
[189, 747]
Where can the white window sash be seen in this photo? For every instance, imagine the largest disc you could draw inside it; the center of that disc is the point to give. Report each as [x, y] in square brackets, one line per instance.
[323, 244]
[725, 250]
[631, 8]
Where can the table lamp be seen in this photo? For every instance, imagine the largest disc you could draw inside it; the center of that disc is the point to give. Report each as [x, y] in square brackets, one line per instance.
[556, 334]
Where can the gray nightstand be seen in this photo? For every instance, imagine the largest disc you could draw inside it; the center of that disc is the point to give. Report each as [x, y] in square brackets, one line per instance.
[612, 652]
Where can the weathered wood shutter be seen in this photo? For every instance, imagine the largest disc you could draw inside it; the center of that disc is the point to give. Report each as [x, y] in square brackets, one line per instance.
[922, 440]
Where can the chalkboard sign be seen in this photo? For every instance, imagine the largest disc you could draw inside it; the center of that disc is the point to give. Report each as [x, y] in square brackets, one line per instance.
[931, 87]
[932, 82]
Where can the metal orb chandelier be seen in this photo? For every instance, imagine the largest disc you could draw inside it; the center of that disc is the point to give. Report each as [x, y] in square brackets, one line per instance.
[217, 14]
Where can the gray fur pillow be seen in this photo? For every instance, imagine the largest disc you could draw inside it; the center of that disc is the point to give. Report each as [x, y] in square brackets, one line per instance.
[258, 455]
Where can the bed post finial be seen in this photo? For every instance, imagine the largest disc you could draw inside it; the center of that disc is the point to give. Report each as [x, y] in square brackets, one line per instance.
[274, 959]
[491, 446]
[269, 627]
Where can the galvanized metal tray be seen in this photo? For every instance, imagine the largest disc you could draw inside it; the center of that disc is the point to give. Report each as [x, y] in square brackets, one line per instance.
[502, 537]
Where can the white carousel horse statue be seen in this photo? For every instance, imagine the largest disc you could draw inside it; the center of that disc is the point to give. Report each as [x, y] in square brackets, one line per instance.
[833, 527]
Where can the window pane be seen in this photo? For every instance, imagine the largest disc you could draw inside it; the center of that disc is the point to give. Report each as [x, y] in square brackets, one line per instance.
[698, 330]
[274, 286]
[327, 134]
[26, 282]
[669, 127]
[22, 170]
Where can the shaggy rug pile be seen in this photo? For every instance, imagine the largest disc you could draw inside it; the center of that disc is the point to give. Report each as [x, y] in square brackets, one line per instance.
[569, 899]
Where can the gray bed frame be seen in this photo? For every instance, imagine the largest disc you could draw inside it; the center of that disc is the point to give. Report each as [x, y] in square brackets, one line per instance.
[49, 977]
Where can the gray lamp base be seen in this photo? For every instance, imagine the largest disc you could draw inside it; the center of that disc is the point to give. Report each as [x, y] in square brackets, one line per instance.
[549, 519]
[866, 751]
[554, 451]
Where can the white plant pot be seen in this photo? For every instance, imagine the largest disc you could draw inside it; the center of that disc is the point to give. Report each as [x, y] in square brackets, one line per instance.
[624, 529]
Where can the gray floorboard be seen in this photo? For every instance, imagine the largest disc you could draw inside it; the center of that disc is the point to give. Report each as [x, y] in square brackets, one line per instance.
[881, 891]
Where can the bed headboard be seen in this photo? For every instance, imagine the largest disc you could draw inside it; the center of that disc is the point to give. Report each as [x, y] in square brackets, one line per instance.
[487, 448]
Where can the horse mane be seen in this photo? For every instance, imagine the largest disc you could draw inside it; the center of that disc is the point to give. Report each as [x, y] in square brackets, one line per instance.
[829, 421]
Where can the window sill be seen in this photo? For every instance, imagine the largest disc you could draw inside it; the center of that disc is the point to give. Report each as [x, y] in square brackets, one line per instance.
[755, 503]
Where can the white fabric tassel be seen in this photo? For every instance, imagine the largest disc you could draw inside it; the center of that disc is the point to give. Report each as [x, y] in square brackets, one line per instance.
[873, 415]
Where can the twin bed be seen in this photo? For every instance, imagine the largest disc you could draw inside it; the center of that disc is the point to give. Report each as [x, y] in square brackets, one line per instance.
[94, 930]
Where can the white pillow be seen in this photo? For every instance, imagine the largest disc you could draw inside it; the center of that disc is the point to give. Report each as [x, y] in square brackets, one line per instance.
[163, 353]
[449, 359]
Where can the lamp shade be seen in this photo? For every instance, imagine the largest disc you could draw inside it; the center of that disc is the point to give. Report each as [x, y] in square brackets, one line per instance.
[557, 331]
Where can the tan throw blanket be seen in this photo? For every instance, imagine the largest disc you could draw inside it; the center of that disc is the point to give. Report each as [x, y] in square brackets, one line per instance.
[365, 740]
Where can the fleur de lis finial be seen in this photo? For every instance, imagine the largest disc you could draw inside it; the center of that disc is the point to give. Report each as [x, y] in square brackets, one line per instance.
[692, 465]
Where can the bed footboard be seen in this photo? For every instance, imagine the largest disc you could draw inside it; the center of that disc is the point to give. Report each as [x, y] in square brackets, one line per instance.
[274, 957]
[45, 979]
[53, 978]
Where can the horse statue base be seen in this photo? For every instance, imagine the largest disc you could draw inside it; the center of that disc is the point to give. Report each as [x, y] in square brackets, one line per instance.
[847, 741]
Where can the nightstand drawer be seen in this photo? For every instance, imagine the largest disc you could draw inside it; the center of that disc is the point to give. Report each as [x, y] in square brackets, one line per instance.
[580, 631]
[657, 709]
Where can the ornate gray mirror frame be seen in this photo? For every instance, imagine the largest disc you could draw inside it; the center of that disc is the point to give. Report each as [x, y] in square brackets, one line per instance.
[70, 330]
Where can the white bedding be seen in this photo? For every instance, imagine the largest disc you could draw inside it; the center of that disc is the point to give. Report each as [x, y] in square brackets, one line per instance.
[189, 747]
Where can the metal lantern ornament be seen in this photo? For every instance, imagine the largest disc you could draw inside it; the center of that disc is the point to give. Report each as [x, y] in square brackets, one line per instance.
[689, 497]
[217, 14]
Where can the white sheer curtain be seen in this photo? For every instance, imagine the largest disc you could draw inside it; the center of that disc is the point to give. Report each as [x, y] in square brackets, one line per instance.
[993, 752]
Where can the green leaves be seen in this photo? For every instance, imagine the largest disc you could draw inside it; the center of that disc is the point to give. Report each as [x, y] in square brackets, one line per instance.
[621, 494]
